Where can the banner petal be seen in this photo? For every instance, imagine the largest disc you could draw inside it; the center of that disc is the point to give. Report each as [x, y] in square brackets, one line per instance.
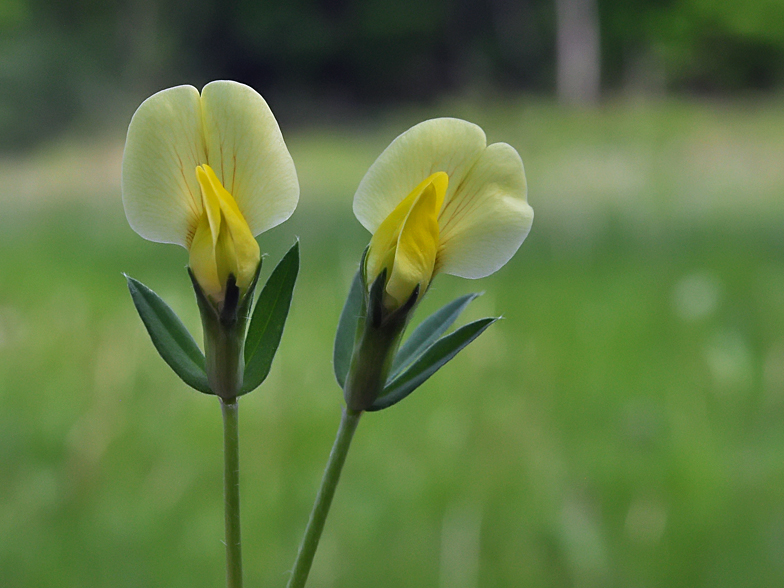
[246, 150]
[443, 144]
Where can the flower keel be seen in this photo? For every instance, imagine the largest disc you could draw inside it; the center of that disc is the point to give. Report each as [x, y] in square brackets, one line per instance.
[406, 242]
[223, 244]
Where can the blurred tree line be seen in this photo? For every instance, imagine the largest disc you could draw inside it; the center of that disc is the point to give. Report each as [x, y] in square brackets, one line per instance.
[64, 60]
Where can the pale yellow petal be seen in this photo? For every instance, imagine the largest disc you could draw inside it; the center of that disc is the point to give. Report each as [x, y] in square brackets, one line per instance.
[444, 144]
[161, 196]
[487, 217]
[246, 149]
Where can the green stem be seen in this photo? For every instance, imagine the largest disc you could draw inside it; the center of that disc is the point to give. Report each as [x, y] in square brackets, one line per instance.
[231, 492]
[337, 457]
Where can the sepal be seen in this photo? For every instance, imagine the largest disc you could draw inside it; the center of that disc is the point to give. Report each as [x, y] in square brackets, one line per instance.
[170, 337]
[377, 337]
[224, 335]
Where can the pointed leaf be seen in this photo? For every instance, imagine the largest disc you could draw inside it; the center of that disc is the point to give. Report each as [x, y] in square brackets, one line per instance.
[269, 318]
[170, 337]
[347, 329]
[430, 362]
[428, 332]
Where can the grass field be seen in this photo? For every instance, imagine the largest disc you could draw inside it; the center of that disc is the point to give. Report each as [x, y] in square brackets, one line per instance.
[623, 426]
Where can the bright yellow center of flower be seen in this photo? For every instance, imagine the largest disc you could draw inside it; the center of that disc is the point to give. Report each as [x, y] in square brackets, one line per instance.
[406, 242]
[223, 243]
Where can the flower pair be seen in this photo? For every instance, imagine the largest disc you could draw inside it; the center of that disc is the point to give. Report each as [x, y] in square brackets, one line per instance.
[211, 171]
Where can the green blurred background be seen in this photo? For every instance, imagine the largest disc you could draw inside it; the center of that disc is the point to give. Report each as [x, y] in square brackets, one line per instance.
[623, 426]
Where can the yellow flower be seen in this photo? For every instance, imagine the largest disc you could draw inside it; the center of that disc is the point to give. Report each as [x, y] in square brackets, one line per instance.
[439, 199]
[209, 172]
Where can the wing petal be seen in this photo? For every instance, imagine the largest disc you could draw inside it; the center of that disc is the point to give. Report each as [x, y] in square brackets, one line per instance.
[488, 216]
[161, 195]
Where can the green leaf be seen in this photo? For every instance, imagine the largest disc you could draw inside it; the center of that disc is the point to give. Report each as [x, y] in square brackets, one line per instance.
[170, 337]
[429, 363]
[269, 318]
[347, 329]
[428, 332]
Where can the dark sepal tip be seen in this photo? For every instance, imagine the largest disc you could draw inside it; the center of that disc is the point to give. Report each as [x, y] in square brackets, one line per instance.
[376, 299]
[411, 302]
[230, 302]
